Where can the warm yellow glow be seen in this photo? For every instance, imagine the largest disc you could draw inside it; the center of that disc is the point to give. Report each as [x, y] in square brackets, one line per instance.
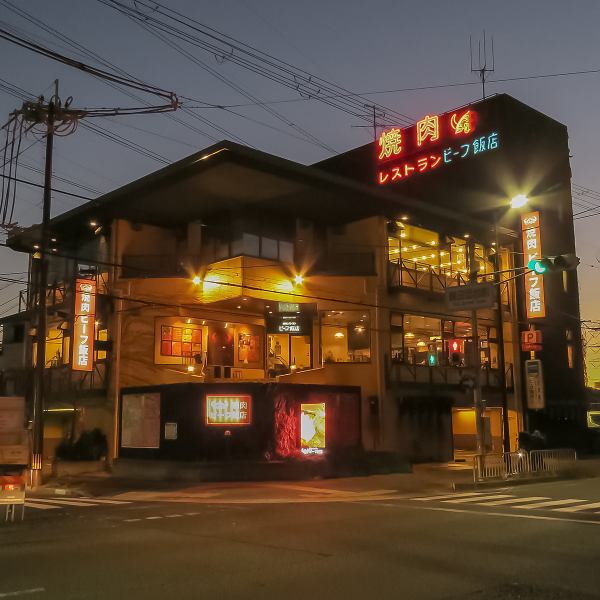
[191, 368]
[196, 280]
[298, 279]
[519, 201]
[404, 218]
[338, 334]
[467, 235]
[312, 426]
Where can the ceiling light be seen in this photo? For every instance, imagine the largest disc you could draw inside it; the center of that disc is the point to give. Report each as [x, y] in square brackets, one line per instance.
[196, 280]
[298, 279]
[338, 334]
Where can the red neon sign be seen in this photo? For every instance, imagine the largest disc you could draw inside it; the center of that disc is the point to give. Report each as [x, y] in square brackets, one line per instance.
[429, 132]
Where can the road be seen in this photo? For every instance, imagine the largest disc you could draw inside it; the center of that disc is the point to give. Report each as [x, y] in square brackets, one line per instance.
[314, 540]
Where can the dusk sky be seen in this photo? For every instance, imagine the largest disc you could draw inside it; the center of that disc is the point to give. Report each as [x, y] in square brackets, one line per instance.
[369, 48]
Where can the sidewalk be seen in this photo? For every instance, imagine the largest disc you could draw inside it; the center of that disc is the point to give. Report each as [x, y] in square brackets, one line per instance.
[423, 479]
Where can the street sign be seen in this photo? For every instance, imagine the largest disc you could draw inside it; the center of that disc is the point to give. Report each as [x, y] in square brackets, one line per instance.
[535, 384]
[472, 296]
[531, 341]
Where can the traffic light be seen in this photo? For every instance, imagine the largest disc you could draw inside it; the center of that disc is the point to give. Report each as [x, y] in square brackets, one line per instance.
[432, 359]
[562, 262]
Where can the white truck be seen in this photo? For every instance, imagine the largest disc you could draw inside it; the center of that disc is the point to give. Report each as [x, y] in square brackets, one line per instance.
[14, 455]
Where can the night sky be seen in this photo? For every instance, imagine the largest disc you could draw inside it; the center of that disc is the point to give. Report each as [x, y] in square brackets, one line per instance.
[366, 47]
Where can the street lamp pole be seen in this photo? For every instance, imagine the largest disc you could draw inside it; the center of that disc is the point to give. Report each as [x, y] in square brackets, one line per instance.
[477, 396]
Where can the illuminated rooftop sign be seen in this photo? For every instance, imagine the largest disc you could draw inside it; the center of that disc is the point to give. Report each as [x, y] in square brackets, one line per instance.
[433, 142]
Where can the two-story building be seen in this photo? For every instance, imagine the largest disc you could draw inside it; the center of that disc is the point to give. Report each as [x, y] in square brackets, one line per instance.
[240, 305]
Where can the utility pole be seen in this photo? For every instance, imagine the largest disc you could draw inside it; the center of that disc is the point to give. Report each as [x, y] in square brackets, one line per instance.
[477, 399]
[40, 364]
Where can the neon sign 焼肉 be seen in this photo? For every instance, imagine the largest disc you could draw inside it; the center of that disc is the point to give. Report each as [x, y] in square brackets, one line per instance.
[223, 409]
[84, 327]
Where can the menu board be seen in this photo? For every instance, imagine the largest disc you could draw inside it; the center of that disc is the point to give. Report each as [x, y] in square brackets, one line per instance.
[140, 421]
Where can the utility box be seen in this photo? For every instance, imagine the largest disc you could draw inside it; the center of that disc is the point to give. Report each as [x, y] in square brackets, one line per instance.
[14, 455]
[14, 439]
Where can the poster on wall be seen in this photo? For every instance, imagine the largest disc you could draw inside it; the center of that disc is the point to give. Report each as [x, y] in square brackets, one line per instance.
[312, 428]
[140, 421]
[248, 348]
[220, 349]
[180, 341]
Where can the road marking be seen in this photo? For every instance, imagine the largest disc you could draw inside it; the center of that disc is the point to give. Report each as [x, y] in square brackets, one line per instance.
[193, 514]
[64, 502]
[173, 516]
[102, 500]
[30, 504]
[572, 509]
[428, 498]
[548, 503]
[152, 518]
[490, 514]
[514, 501]
[477, 498]
[21, 592]
[131, 520]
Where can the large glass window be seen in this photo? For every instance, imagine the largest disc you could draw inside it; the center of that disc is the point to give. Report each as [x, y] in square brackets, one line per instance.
[418, 249]
[345, 336]
[423, 340]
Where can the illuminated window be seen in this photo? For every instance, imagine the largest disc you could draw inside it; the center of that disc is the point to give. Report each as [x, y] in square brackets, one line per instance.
[345, 336]
[312, 428]
[570, 360]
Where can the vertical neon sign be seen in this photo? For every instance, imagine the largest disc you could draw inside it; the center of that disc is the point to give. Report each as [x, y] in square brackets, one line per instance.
[532, 249]
[84, 327]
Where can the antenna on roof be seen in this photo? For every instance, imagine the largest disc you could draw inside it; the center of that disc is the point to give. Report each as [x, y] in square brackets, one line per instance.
[377, 114]
[482, 68]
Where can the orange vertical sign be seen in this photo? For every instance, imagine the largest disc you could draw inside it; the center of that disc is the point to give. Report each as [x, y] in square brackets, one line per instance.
[532, 249]
[84, 327]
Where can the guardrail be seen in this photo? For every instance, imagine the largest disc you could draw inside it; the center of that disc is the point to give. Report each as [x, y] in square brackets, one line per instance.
[521, 465]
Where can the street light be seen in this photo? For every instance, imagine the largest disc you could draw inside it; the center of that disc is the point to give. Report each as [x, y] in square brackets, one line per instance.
[519, 201]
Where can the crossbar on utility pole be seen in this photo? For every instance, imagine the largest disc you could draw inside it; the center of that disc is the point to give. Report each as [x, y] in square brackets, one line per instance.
[40, 364]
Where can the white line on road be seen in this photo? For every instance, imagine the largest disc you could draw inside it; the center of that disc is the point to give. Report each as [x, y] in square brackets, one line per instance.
[21, 592]
[477, 498]
[428, 498]
[41, 506]
[549, 503]
[173, 516]
[131, 520]
[486, 513]
[513, 501]
[102, 500]
[64, 502]
[572, 509]
[152, 518]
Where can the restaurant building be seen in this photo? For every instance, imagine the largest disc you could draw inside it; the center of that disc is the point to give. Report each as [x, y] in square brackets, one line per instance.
[237, 305]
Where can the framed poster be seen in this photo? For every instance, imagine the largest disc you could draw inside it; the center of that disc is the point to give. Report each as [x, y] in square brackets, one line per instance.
[248, 348]
[140, 421]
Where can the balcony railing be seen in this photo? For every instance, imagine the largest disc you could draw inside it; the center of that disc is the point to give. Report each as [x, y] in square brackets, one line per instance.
[403, 273]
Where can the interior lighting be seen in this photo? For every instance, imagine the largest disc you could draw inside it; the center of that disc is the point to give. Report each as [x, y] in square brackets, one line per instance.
[442, 253]
[36, 246]
[338, 334]
[191, 368]
[53, 239]
[196, 280]
[519, 201]
[238, 306]
[414, 246]
[404, 218]
[298, 279]
[467, 235]
[432, 255]
[404, 249]
[402, 234]
[93, 224]
[433, 242]
[423, 257]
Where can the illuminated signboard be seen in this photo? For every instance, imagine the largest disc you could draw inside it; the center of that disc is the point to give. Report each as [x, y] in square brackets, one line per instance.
[84, 325]
[223, 409]
[312, 428]
[295, 324]
[434, 142]
[532, 249]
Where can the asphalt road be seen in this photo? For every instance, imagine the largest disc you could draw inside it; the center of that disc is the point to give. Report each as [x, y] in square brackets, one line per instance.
[528, 542]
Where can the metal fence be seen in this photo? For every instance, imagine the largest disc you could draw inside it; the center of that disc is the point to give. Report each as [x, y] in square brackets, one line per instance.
[522, 465]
